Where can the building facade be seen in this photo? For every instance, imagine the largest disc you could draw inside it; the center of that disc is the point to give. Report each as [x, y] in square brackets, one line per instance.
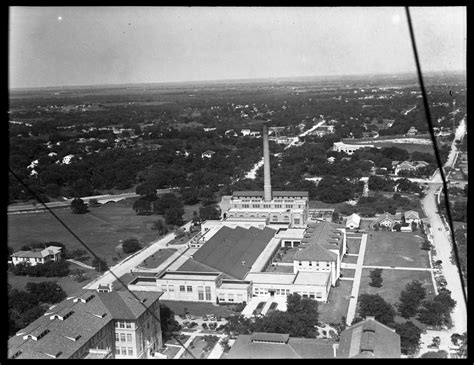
[37, 256]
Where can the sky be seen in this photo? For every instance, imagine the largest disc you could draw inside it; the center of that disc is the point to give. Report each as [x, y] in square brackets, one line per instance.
[67, 46]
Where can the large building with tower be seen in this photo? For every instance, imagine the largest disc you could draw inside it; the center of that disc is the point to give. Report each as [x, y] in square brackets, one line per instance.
[264, 246]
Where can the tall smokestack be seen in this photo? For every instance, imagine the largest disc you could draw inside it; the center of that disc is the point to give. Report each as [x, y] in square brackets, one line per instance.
[267, 186]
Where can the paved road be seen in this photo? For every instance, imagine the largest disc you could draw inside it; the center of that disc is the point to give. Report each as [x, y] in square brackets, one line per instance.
[126, 265]
[29, 208]
[351, 310]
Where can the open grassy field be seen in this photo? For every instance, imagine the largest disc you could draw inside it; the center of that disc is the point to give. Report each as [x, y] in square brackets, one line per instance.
[69, 285]
[338, 302]
[394, 281]
[348, 273]
[395, 249]
[101, 229]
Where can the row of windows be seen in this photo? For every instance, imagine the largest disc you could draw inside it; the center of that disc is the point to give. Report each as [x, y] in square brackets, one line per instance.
[123, 324]
[230, 297]
[277, 206]
[120, 337]
[277, 291]
[123, 351]
[300, 263]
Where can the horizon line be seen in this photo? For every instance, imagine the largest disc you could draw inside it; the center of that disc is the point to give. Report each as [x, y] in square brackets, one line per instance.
[275, 78]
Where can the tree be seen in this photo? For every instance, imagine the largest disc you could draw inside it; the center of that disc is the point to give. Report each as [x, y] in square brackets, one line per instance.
[159, 226]
[99, 264]
[375, 305]
[460, 341]
[167, 201]
[376, 278]
[238, 325]
[410, 336]
[93, 202]
[131, 245]
[426, 245]
[168, 323]
[46, 291]
[210, 212]
[174, 216]
[142, 206]
[411, 298]
[78, 206]
[146, 191]
[441, 354]
[432, 313]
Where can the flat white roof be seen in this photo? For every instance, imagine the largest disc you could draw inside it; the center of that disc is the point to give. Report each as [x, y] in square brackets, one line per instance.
[267, 252]
[270, 278]
[246, 219]
[187, 275]
[242, 285]
[294, 233]
[312, 278]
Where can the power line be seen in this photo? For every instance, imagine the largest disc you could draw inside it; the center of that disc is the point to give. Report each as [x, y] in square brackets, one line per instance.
[435, 145]
[93, 254]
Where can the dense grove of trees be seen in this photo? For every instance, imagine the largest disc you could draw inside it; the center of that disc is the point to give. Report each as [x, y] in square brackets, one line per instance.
[375, 305]
[410, 299]
[298, 321]
[26, 306]
[50, 269]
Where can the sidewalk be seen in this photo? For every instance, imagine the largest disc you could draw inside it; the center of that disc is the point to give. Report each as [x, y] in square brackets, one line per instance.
[351, 310]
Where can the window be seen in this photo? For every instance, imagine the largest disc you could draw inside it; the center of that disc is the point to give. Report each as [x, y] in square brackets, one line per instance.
[277, 205]
[129, 337]
[124, 350]
[230, 297]
[255, 205]
[164, 288]
[319, 295]
[189, 288]
[182, 288]
[266, 205]
[128, 324]
[200, 293]
[122, 337]
[328, 264]
[117, 337]
[300, 263]
[208, 293]
[171, 288]
[245, 205]
[286, 218]
[121, 325]
[117, 351]
[297, 221]
[130, 351]
[289, 206]
[311, 263]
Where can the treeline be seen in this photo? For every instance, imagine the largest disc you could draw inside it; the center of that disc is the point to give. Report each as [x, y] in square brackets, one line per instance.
[26, 306]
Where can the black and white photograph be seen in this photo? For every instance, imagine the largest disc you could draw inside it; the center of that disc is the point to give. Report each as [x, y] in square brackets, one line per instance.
[237, 182]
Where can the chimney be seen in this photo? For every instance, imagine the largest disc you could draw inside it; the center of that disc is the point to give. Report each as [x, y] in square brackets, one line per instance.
[267, 186]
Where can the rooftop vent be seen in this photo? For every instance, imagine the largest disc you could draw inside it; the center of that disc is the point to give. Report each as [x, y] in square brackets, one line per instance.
[36, 335]
[62, 315]
[54, 355]
[72, 337]
[84, 299]
[102, 315]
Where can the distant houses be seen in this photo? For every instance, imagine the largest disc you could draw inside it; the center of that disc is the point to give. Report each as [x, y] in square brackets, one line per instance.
[208, 154]
[405, 220]
[37, 256]
[408, 166]
[412, 132]
[353, 221]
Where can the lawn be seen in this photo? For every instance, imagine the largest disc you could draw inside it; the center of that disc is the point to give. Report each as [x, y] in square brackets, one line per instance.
[198, 308]
[69, 285]
[101, 229]
[395, 249]
[350, 259]
[394, 281]
[338, 302]
[348, 273]
[353, 245]
[157, 258]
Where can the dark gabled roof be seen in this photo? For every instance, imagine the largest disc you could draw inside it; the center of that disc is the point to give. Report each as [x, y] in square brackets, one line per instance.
[269, 337]
[67, 336]
[228, 248]
[294, 348]
[369, 338]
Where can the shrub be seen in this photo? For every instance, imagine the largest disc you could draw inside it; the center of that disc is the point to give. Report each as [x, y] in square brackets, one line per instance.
[131, 245]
